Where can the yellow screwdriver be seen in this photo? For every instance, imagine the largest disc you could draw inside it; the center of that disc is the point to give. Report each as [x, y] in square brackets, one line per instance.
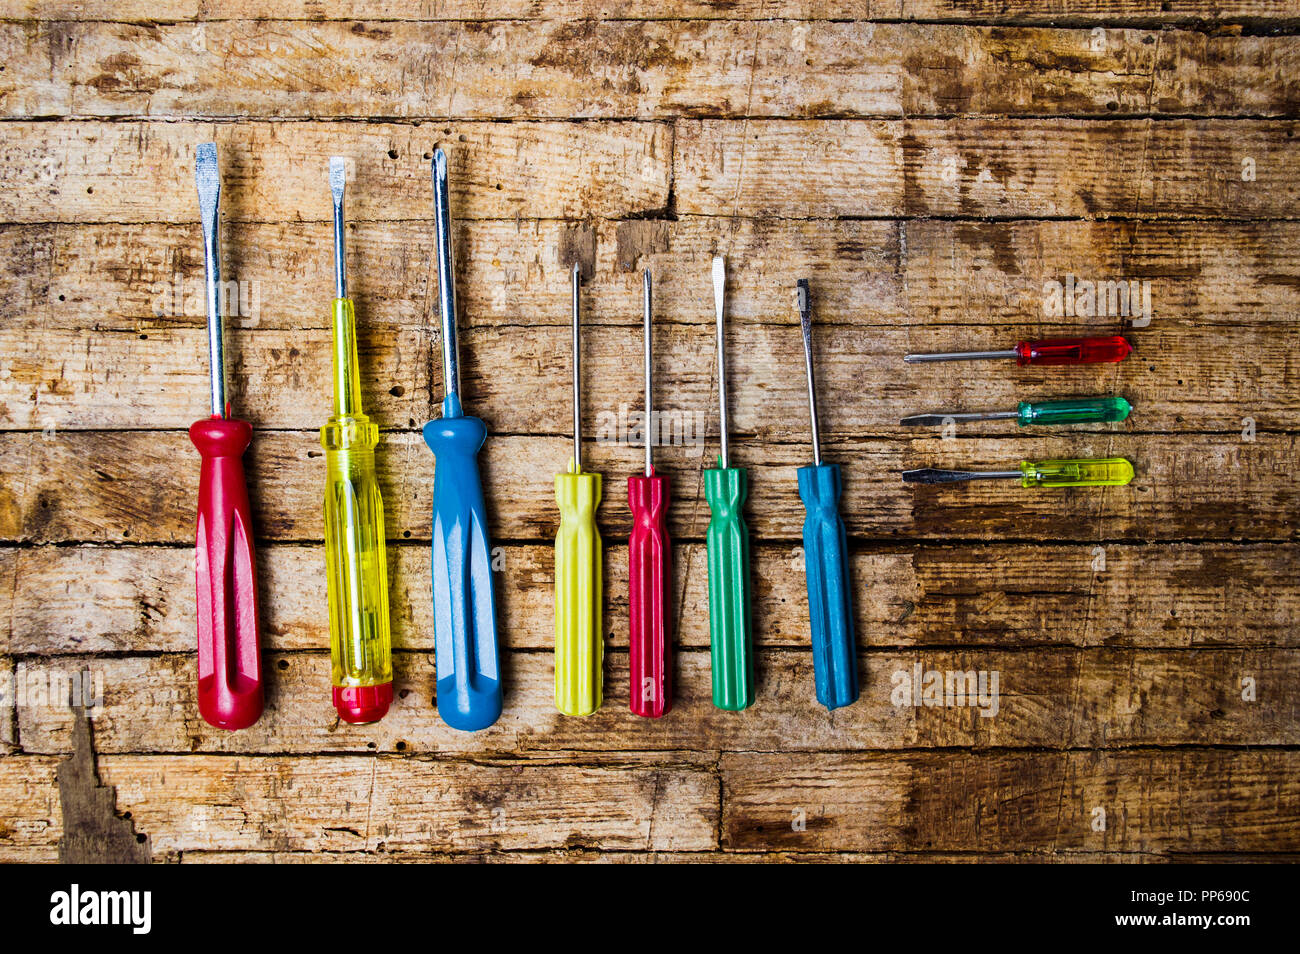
[356, 565]
[579, 646]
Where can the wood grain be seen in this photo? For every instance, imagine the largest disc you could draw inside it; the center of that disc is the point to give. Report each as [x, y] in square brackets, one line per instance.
[625, 69]
[130, 486]
[1154, 801]
[1179, 596]
[1046, 698]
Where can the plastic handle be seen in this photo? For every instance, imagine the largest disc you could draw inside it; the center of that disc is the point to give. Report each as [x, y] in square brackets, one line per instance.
[830, 594]
[230, 658]
[1055, 351]
[649, 573]
[356, 563]
[729, 604]
[464, 608]
[1084, 411]
[1110, 471]
[579, 642]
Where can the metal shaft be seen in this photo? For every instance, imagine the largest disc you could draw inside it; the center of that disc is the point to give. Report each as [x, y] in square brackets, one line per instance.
[649, 407]
[930, 475]
[719, 289]
[208, 179]
[446, 275]
[959, 356]
[338, 180]
[577, 374]
[939, 417]
[805, 326]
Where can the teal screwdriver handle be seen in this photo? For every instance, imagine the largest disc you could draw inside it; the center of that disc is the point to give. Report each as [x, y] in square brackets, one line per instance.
[1082, 411]
[464, 609]
[729, 600]
[830, 594]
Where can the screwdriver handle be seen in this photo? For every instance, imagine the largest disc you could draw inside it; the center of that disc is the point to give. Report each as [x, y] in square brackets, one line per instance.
[230, 659]
[830, 594]
[464, 609]
[649, 573]
[579, 642]
[356, 561]
[1083, 411]
[725, 489]
[1077, 472]
[1059, 351]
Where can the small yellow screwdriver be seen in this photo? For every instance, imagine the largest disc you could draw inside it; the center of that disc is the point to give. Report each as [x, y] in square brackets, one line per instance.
[579, 643]
[355, 560]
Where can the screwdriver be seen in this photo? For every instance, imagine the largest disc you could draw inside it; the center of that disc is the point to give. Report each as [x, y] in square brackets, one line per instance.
[725, 488]
[649, 569]
[1049, 351]
[355, 562]
[579, 646]
[1082, 411]
[1086, 472]
[826, 554]
[230, 659]
[464, 608]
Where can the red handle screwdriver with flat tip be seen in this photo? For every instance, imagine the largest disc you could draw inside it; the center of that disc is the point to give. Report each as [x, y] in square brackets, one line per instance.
[649, 571]
[1049, 351]
[230, 660]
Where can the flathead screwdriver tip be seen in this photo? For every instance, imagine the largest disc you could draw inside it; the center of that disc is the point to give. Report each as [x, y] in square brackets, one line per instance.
[338, 177]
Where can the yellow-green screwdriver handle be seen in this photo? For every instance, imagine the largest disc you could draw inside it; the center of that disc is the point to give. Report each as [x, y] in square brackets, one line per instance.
[579, 643]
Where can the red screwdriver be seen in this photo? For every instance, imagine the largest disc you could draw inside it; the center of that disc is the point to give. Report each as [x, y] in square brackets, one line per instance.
[1048, 351]
[230, 661]
[649, 570]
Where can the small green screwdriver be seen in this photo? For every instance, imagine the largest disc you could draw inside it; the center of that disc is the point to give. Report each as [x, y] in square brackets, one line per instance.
[1098, 410]
[1097, 472]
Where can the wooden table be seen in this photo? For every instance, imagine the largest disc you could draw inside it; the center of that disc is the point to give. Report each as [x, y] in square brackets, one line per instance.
[931, 166]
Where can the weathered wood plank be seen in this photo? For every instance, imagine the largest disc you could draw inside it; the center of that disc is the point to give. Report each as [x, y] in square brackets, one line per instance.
[144, 172]
[349, 804]
[1157, 801]
[1181, 378]
[869, 273]
[1004, 168]
[1153, 801]
[625, 69]
[1043, 698]
[138, 599]
[274, 172]
[132, 486]
[7, 705]
[973, 11]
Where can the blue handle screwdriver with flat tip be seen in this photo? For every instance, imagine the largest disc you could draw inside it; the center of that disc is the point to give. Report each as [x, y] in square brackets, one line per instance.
[826, 554]
[464, 608]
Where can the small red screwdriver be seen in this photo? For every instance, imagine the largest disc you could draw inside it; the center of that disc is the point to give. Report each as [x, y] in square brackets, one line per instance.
[1048, 351]
[649, 570]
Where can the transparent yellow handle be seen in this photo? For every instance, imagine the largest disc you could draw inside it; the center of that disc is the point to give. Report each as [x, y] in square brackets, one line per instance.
[355, 558]
[1110, 471]
[579, 640]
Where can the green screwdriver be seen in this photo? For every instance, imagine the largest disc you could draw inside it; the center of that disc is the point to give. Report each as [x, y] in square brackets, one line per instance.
[1098, 410]
[1086, 472]
[728, 548]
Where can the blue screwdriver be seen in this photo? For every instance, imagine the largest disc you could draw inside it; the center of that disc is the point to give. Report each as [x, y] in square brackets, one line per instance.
[826, 555]
[464, 610]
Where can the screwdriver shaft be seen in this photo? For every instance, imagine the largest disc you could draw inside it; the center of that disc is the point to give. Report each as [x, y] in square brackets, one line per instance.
[649, 407]
[719, 290]
[805, 327]
[577, 373]
[959, 356]
[207, 177]
[446, 275]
